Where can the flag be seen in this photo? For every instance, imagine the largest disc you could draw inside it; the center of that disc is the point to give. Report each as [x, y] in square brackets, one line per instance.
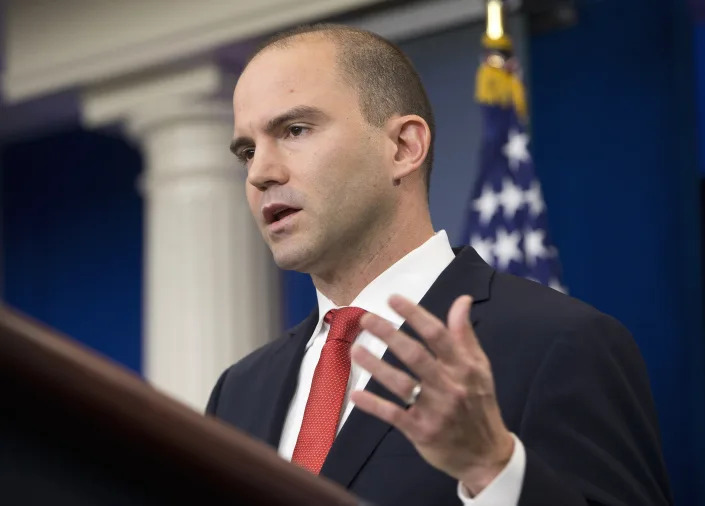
[506, 220]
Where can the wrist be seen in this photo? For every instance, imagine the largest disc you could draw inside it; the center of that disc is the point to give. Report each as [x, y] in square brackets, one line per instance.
[480, 475]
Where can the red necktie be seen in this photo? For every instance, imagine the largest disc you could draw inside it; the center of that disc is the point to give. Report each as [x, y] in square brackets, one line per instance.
[330, 381]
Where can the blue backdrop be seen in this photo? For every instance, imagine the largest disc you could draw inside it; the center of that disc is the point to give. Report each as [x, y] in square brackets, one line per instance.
[614, 143]
[72, 237]
[700, 80]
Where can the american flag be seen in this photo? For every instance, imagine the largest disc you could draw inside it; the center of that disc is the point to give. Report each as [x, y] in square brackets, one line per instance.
[506, 215]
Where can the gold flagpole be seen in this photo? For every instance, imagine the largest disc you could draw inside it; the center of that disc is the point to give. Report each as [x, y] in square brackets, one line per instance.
[497, 82]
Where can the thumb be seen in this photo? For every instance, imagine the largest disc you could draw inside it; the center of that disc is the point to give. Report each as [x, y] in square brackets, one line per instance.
[459, 317]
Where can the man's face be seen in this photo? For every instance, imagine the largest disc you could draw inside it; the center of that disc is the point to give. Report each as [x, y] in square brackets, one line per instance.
[317, 181]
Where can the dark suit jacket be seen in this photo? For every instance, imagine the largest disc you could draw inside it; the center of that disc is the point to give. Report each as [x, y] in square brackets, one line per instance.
[570, 382]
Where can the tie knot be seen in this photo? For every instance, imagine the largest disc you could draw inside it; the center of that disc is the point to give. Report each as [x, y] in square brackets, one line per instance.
[344, 323]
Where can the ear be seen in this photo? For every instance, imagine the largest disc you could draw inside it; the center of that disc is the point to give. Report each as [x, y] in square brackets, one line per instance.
[412, 138]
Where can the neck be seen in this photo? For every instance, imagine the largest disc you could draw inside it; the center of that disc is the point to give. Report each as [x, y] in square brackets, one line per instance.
[351, 275]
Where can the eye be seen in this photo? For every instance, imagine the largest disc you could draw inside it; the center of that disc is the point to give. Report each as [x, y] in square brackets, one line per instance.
[297, 130]
[246, 154]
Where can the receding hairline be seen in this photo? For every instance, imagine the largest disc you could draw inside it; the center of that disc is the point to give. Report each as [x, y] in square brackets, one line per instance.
[377, 70]
[340, 38]
[323, 36]
[334, 34]
[292, 41]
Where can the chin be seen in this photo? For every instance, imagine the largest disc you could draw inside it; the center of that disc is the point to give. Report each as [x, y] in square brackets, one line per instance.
[292, 259]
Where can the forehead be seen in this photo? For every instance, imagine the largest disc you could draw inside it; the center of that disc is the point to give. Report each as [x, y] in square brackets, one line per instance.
[304, 72]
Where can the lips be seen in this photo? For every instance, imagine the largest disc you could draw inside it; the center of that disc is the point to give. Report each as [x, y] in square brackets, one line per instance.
[273, 213]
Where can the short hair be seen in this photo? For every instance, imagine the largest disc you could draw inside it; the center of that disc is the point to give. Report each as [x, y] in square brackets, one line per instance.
[383, 76]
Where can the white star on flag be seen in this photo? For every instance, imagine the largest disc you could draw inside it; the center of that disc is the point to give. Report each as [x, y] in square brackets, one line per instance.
[483, 247]
[534, 198]
[516, 149]
[511, 198]
[533, 246]
[506, 248]
[507, 220]
[486, 205]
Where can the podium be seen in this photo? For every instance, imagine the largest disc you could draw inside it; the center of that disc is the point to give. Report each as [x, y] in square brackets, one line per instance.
[78, 429]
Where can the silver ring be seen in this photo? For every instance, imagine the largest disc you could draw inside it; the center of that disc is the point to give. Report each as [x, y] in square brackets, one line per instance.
[413, 397]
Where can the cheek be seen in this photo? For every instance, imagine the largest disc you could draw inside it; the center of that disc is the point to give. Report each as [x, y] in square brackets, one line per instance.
[332, 169]
[254, 196]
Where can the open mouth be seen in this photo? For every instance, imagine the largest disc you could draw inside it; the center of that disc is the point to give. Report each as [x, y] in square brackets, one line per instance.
[277, 212]
[284, 213]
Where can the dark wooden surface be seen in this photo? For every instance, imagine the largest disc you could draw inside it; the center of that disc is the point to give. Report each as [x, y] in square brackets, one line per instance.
[77, 428]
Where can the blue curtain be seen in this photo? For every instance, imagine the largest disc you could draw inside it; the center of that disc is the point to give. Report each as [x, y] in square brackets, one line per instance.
[614, 144]
[72, 243]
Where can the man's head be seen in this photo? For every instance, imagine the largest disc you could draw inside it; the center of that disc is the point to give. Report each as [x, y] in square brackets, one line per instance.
[381, 74]
[336, 131]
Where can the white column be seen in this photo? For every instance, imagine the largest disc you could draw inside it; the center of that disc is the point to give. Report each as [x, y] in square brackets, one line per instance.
[210, 288]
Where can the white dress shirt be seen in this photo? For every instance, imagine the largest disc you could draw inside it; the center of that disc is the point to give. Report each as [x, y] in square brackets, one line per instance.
[411, 277]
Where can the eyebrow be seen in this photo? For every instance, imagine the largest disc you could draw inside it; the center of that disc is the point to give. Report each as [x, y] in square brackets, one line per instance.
[293, 114]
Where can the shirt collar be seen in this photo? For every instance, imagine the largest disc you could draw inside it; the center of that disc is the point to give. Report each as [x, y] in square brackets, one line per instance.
[411, 276]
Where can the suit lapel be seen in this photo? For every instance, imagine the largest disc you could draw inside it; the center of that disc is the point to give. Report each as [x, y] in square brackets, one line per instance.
[362, 433]
[282, 378]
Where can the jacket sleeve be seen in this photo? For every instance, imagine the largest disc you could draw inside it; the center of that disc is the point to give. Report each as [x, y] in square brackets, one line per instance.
[590, 427]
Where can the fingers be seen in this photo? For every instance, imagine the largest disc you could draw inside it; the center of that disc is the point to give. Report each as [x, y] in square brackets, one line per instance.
[451, 343]
[409, 351]
[383, 409]
[457, 412]
[459, 321]
[394, 380]
[430, 328]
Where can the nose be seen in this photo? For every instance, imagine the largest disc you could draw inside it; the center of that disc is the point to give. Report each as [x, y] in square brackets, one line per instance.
[267, 168]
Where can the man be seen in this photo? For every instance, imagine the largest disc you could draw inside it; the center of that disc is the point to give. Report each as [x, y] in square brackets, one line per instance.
[530, 398]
